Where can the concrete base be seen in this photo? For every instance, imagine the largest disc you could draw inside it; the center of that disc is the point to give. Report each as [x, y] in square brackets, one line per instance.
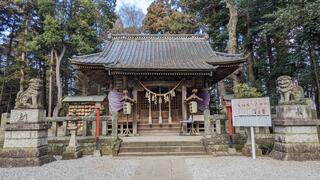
[296, 151]
[22, 157]
[247, 150]
[296, 134]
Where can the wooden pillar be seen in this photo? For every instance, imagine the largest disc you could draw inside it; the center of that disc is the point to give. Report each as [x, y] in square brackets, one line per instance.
[206, 114]
[170, 116]
[184, 96]
[93, 130]
[184, 109]
[160, 111]
[97, 120]
[135, 112]
[84, 123]
[150, 113]
[64, 126]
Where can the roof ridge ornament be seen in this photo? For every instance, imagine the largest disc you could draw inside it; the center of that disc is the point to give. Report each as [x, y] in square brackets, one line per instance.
[158, 36]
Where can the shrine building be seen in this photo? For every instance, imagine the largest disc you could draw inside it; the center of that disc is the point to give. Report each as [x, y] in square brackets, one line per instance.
[162, 74]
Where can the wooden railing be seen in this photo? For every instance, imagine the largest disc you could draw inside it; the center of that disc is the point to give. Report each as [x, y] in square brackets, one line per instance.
[86, 125]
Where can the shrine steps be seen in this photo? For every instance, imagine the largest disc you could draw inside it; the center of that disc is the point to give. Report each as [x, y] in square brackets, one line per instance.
[145, 129]
[161, 148]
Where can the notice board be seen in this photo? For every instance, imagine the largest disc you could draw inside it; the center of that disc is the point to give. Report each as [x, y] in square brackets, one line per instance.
[249, 112]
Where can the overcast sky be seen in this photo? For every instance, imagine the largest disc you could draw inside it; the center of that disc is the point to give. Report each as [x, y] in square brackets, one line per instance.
[143, 4]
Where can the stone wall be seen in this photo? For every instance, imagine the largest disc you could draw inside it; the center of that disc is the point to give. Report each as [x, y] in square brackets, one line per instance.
[220, 142]
[87, 144]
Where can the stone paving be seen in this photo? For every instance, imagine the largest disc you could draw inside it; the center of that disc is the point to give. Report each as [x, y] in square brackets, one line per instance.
[167, 168]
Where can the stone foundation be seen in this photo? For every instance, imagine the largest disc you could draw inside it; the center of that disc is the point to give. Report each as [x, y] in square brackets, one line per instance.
[217, 145]
[25, 142]
[296, 134]
[21, 157]
[87, 145]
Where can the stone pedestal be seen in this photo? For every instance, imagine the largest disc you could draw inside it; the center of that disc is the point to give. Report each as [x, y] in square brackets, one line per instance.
[73, 150]
[25, 141]
[296, 134]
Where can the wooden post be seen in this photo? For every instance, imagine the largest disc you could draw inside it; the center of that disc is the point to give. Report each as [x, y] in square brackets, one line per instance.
[170, 117]
[97, 122]
[84, 128]
[160, 112]
[150, 113]
[135, 112]
[115, 117]
[184, 96]
[184, 110]
[103, 128]
[93, 130]
[64, 126]
[228, 106]
[206, 114]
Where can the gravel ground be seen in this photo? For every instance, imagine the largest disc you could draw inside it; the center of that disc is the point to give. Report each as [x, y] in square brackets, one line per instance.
[201, 168]
[82, 169]
[243, 168]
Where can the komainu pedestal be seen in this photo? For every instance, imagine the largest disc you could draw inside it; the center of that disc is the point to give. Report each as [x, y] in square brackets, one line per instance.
[25, 141]
[296, 134]
[295, 128]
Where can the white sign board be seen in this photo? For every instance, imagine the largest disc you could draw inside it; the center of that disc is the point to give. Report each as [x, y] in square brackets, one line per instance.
[251, 112]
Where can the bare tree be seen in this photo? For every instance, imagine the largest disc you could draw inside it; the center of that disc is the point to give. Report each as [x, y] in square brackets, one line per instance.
[131, 17]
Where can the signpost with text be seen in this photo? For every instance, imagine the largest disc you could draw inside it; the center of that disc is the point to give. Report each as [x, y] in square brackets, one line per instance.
[251, 112]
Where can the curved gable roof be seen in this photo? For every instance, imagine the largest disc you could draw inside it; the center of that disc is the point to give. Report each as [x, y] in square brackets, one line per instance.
[158, 52]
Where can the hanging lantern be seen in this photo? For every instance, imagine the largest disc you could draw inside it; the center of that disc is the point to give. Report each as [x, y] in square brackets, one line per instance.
[193, 107]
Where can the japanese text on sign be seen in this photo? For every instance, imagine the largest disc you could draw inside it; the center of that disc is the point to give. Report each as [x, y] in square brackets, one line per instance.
[251, 112]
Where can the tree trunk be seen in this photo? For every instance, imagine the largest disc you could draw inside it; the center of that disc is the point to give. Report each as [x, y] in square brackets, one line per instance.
[23, 59]
[250, 62]
[232, 31]
[58, 81]
[50, 84]
[315, 65]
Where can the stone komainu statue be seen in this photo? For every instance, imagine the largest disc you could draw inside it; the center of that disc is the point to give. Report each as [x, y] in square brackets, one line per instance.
[289, 92]
[31, 98]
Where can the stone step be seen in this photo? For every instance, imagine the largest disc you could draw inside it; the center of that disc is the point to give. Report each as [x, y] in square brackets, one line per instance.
[155, 121]
[163, 149]
[158, 133]
[164, 130]
[161, 153]
[160, 143]
[157, 124]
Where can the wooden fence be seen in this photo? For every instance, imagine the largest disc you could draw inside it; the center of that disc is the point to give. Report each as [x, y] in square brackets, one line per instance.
[86, 125]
